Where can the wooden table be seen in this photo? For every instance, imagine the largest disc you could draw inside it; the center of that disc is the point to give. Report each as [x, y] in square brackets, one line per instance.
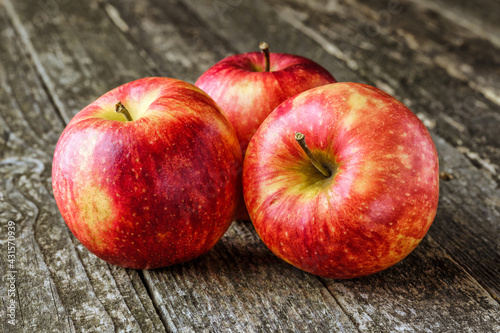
[441, 58]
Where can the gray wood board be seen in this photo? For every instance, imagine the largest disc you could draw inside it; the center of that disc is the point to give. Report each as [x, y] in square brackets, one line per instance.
[56, 64]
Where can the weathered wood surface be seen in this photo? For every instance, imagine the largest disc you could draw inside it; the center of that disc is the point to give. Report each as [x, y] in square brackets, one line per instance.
[439, 57]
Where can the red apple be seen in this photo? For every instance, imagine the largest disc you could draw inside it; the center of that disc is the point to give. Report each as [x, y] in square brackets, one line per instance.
[249, 86]
[153, 185]
[372, 196]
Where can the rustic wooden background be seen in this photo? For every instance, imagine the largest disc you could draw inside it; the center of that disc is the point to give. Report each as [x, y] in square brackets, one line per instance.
[441, 58]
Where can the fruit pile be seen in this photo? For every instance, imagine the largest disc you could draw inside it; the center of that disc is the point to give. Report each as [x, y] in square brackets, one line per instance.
[339, 179]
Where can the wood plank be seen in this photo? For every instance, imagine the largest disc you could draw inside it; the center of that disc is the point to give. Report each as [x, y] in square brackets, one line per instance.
[244, 32]
[60, 287]
[206, 38]
[245, 289]
[479, 16]
[26, 131]
[430, 255]
[427, 292]
[89, 56]
[169, 36]
[239, 285]
[464, 55]
[468, 218]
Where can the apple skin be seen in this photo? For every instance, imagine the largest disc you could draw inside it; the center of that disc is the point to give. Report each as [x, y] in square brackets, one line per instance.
[247, 94]
[152, 192]
[380, 200]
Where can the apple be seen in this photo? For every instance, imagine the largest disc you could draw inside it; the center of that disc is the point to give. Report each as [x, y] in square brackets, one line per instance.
[148, 175]
[341, 181]
[249, 86]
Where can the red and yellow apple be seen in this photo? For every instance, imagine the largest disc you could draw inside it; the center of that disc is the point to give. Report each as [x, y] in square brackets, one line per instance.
[341, 180]
[148, 174]
[249, 86]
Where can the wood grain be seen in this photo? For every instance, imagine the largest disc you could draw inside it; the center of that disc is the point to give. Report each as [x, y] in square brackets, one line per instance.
[480, 17]
[24, 170]
[59, 56]
[179, 48]
[428, 292]
[240, 286]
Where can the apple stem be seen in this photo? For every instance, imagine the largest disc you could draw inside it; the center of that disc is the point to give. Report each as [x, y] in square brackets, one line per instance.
[265, 49]
[301, 139]
[123, 110]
